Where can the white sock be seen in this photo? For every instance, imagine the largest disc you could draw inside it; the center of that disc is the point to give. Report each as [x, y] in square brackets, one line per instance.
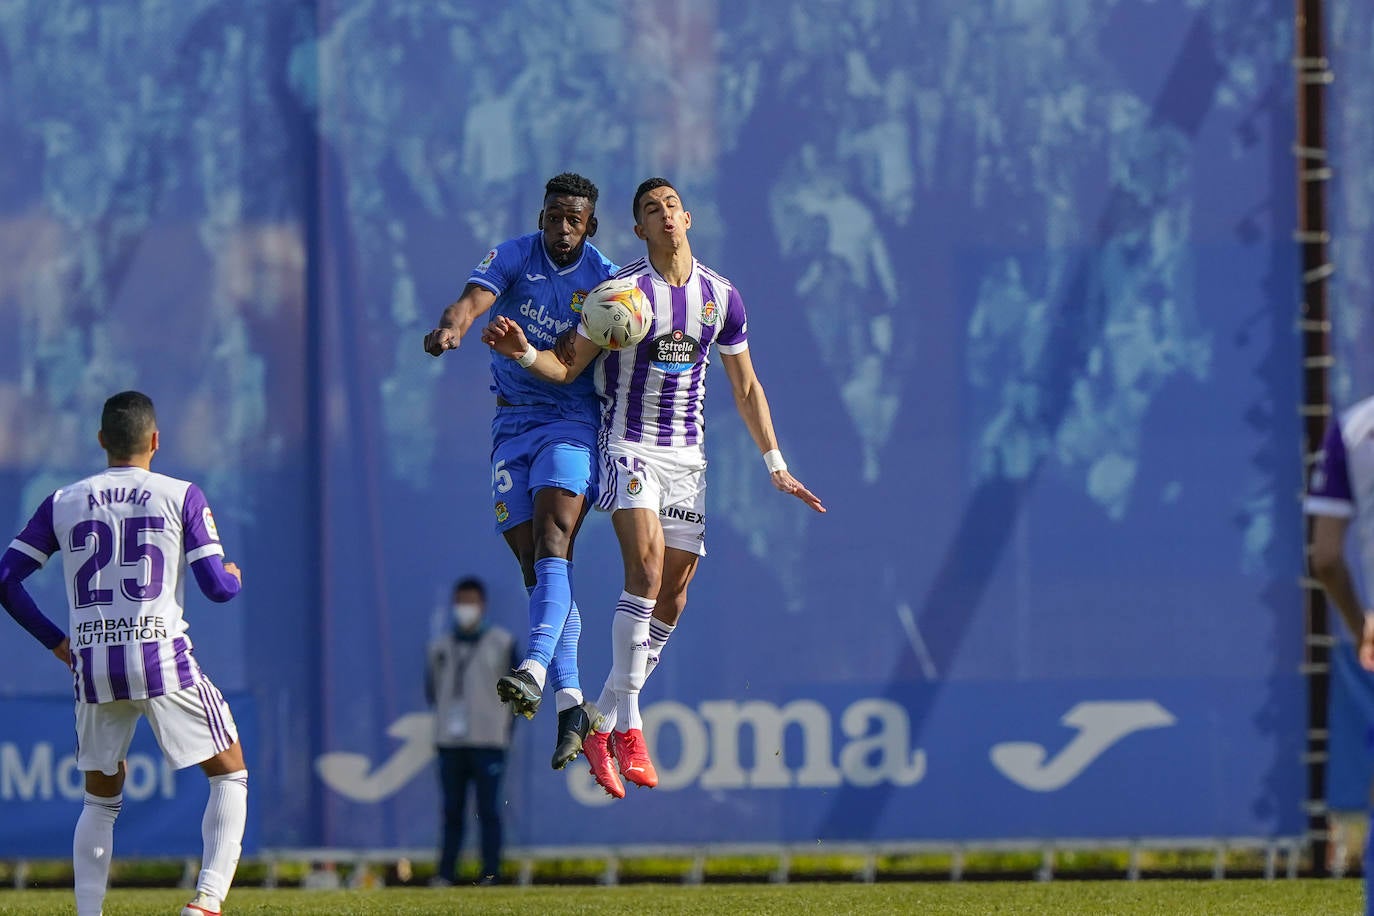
[605, 704]
[221, 829]
[630, 652]
[535, 668]
[659, 633]
[92, 847]
[568, 697]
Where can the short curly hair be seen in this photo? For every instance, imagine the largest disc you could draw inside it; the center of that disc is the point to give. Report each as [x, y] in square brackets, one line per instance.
[573, 185]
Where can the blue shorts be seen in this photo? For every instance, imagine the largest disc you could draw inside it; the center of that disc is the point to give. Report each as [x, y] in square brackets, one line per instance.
[530, 453]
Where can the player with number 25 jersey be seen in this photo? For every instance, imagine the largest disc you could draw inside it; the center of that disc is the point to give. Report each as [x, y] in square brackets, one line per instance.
[127, 536]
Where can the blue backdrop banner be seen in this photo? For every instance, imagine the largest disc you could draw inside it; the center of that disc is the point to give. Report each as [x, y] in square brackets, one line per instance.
[1021, 290]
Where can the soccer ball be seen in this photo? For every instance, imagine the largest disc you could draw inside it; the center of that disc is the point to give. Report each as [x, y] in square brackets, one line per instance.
[617, 314]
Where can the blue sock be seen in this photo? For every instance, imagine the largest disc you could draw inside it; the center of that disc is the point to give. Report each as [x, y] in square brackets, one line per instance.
[563, 671]
[1369, 867]
[549, 605]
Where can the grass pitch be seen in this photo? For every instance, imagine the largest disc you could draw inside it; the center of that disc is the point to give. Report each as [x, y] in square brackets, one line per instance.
[1058, 898]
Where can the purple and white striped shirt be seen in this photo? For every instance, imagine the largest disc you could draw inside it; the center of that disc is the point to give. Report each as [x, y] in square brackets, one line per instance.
[656, 392]
[1342, 483]
[127, 536]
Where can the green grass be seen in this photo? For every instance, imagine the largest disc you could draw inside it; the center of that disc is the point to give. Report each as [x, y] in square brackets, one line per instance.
[1057, 898]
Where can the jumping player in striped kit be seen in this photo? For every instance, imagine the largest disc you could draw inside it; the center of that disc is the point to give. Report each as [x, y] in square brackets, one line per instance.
[653, 457]
[127, 538]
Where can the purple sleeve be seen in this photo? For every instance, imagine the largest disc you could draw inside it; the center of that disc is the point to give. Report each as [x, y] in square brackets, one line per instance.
[39, 534]
[200, 537]
[734, 330]
[203, 549]
[215, 583]
[15, 567]
[1330, 478]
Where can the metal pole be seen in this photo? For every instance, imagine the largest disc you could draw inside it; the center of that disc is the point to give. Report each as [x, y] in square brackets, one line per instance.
[1313, 170]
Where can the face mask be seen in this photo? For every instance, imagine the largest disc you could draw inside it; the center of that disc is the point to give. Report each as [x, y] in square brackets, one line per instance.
[467, 616]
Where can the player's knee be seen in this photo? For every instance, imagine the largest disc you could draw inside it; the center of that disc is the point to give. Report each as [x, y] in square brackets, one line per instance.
[644, 576]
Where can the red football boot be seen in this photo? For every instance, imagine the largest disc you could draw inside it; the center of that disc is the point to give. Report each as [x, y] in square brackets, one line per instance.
[632, 754]
[596, 748]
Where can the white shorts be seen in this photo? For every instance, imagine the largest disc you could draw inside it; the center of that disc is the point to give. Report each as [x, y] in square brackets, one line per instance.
[190, 725]
[670, 480]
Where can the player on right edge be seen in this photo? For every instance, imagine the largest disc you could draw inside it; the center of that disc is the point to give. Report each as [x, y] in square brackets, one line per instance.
[1339, 493]
[653, 474]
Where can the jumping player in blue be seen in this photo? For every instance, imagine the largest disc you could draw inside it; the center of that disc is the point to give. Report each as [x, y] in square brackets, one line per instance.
[543, 436]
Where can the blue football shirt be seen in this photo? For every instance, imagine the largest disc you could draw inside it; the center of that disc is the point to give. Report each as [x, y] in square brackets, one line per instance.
[545, 301]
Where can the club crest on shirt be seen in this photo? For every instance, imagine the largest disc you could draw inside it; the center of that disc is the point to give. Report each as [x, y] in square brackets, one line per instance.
[209, 520]
[486, 262]
[709, 312]
[502, 513]
[578, 298]
[634, 486]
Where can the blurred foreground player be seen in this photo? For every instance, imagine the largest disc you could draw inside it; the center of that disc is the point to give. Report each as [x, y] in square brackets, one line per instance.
[127, 536]
[1340, 492]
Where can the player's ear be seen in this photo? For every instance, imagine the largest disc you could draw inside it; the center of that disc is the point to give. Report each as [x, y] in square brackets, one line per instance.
[100, 437]
[686, 219]
[154, 443]
[639, 230]
[539, 221]
[591, 227]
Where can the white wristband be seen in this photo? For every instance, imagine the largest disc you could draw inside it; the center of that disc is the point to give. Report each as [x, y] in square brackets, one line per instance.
[528, 357]
[773, 460]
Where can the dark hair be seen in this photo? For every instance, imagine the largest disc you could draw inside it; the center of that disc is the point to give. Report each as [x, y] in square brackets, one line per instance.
[573, 185]
[645, 187]
[473, 583]
[127, 423]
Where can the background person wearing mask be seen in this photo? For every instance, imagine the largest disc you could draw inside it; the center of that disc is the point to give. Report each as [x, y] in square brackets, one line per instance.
[471, 725]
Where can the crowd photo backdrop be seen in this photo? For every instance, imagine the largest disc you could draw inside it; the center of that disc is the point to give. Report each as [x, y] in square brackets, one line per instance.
[1022, 291]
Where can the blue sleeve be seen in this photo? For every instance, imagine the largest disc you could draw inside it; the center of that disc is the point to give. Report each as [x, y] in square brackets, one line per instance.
[15, 567]
[216, 584]
[500, 267]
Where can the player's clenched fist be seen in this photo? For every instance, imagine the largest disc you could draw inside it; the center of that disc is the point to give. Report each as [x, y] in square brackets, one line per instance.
[439, 340]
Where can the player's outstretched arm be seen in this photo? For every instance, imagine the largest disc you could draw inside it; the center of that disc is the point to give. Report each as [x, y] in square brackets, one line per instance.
[752, 405]
[508, 338]
[457, 318]
[15, 567]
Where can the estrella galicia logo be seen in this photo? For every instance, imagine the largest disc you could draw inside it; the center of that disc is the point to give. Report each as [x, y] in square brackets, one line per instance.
[502, 513]
[578, 298]
[675, 352]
